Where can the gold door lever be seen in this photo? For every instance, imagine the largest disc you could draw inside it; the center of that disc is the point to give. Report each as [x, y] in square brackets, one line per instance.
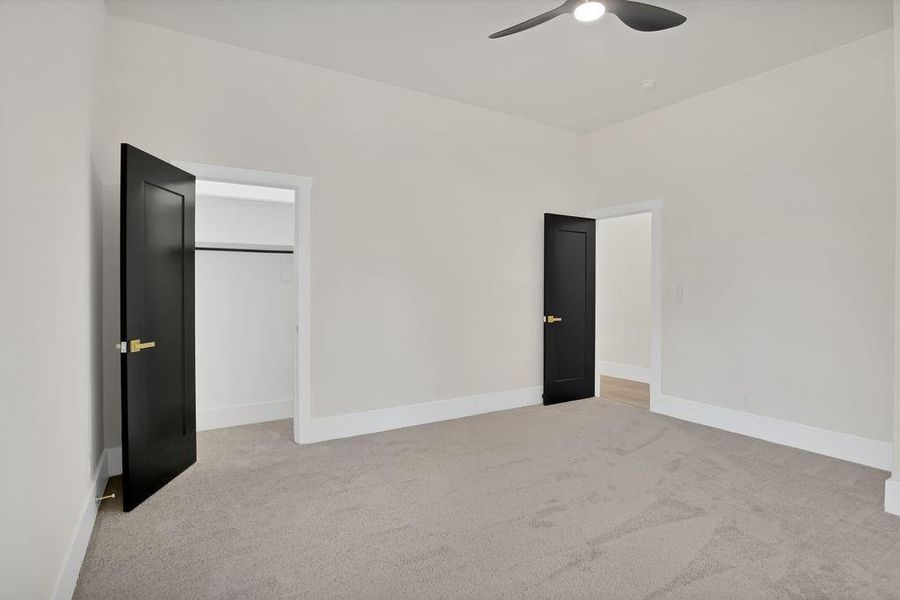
[552, 319]
[137, 346]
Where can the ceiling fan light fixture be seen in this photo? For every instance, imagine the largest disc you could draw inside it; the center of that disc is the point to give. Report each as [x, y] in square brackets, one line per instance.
[636, 15]
[589, 11]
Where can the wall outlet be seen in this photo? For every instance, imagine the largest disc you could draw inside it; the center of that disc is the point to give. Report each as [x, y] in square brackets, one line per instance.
[679, 292]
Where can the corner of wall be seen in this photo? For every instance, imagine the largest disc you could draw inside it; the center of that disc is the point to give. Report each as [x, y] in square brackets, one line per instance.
[68, 577]
[892, 496]
[892, 486]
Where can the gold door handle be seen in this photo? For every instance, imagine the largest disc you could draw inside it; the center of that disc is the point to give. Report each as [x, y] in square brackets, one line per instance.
[137, 345]
[552, 319]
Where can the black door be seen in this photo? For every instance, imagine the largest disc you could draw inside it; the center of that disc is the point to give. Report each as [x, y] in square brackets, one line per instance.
[569, 257]
[159, 438]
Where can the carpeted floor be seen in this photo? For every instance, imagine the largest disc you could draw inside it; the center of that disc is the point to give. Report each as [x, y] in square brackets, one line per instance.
[590, 499]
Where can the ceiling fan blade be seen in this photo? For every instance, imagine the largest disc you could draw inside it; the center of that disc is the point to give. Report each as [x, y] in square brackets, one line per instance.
[645, 17]
[534, 21]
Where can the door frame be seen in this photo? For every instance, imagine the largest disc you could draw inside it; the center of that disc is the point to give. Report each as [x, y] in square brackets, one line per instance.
[654, 207]
[302, 187]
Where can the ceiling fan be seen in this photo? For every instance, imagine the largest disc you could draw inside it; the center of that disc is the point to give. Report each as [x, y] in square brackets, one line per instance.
[637, 15]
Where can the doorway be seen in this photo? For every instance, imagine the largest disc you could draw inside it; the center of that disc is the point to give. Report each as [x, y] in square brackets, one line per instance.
[628, 336]
[292, 263]
[251, 244]
[245, 304]
[590, 279]
[623, 309]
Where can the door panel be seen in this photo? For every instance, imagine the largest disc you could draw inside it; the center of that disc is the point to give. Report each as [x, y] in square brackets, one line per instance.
[158, 405]
[569, 274]
[164, 290]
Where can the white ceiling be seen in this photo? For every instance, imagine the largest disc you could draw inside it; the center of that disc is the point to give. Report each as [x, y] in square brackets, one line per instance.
[577, 76]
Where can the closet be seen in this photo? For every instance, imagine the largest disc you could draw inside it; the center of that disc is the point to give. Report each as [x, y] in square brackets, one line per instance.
[245, 304]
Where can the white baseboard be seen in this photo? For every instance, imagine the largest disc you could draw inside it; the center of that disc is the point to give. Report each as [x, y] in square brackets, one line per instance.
[343, 426]
[892, 496]
[864, 451]
[68, 577]
[245, 414]
[623, 371]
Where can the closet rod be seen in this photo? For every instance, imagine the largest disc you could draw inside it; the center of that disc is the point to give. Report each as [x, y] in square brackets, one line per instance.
[259, 250]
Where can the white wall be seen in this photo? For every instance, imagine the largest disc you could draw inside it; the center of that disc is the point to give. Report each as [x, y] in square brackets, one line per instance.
[245, 338]
[427, 214]
[778, 215]
[623, 296]
[245, 314]
[778, 220]
[50, 412]
[236, 221]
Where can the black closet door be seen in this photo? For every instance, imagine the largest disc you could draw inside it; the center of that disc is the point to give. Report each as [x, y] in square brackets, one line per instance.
[159, 438]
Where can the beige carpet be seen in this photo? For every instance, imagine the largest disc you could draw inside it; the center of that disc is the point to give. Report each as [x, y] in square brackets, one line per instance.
[591, 499]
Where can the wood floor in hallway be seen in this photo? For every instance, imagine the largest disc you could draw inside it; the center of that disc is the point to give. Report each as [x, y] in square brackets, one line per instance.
[633, 393]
